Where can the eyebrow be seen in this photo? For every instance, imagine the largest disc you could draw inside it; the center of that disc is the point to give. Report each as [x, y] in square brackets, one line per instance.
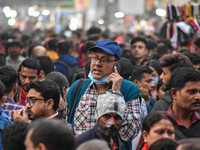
[31, 97]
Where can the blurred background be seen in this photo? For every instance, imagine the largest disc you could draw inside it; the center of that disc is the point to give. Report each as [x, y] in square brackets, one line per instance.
[115, 15]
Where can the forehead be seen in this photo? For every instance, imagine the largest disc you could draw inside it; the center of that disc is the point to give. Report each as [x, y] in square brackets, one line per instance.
[33, 93]
[166, 69]
[101, 53]
[192, 85]
[28, 71]
[111, 114]
[139, 43]
[163, 123]
[147, 75]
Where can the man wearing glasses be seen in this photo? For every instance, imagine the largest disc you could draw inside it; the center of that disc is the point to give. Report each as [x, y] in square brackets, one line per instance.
[102, 77]
[42, 101]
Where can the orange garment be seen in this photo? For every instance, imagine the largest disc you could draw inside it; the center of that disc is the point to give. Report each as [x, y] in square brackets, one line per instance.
[53, 55]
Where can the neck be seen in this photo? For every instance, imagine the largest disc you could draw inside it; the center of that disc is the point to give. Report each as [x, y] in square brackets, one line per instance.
[182, 115]
[50, 113]
[11, 95]
[101, 88]
[139, 61]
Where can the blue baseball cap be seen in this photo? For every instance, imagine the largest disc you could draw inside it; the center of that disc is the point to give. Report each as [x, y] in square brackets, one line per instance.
[108, 46]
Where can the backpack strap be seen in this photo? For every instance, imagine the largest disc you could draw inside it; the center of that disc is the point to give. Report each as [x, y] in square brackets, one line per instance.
[78, 87]
[58, 61]
[178, 133]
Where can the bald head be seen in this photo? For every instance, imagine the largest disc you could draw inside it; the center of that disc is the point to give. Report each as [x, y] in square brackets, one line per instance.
[39, 51]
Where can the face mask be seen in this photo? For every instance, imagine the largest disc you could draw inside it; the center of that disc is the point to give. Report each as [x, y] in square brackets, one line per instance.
[102, 81]
[155, 80]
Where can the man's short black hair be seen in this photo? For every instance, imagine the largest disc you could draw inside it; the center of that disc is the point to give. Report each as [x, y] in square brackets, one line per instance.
[8, 76]
[93, 30]
[164, 144]
[64, 47]
[138, 72]
[14, 135]
[194, 57]
[31, 63]
[139, 39]
[59, 79]
[197, 42]
[48, 89]
[181, 76]
[174, 60]
[54, 134]
[2, 89]
[46, 63]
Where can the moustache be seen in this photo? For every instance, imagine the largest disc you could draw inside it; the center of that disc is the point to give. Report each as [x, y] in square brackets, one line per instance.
[28, 111]
[112, 128]
[197, 102]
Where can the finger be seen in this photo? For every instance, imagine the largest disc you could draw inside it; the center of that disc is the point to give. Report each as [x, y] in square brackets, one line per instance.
[115, 68]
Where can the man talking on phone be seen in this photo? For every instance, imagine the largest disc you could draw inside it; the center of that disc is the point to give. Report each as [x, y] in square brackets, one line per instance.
[103, 76]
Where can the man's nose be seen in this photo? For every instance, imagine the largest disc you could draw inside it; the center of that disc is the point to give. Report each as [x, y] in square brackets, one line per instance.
[98, 62]
[28, 105]
[26, 81]
[112, 121]
[161, 76]
[197, 96]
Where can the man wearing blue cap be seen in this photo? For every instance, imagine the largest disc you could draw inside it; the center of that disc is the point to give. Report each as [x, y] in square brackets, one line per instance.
[102, 77]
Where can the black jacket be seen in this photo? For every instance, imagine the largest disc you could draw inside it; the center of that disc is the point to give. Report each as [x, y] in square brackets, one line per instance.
[164, 103]
[94, 133]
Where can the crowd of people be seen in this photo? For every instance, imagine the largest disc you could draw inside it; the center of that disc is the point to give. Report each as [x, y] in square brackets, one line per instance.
[98, 90]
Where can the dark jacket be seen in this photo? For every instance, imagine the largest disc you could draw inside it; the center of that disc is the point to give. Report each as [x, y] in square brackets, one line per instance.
[68, 59]
[94, 133]
[164, 103]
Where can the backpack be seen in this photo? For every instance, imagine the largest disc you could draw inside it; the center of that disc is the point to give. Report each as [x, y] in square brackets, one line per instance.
[72, 73]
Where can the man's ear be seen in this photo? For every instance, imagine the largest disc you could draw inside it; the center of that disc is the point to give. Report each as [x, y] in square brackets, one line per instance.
[50, 104]
[41, 75]
[173, 93]
[41, 146]
[2, 101]
[64, 90]
[144, 134]
[137, 82]
[15, 88]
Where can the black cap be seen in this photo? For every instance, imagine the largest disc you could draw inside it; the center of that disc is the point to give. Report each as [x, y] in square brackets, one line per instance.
[14, 42]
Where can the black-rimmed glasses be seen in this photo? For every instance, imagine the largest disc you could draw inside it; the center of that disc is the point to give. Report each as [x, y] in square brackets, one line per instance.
[103, 61]
[32, 101]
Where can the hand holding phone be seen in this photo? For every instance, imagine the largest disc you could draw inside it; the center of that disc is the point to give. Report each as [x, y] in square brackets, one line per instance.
[115, 79]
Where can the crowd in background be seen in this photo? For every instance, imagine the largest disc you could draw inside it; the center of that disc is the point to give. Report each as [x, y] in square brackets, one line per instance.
[164, 75]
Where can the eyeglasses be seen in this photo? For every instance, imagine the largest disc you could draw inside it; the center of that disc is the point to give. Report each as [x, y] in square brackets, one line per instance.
[32, 101]
[103, 61]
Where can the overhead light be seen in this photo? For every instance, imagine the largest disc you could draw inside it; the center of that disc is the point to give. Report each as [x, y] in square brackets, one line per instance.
[73, 24]
[161, 12]
[13, 13]
[6, 9]
[46, 12]
[11, 21]
[33, 12]
[101, 21]
[119, 15]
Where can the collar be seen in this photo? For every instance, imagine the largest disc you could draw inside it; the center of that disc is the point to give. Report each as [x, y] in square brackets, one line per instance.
[52, 116]
[195, 117]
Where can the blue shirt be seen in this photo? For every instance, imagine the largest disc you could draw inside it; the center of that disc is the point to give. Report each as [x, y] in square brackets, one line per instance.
[4, 122]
